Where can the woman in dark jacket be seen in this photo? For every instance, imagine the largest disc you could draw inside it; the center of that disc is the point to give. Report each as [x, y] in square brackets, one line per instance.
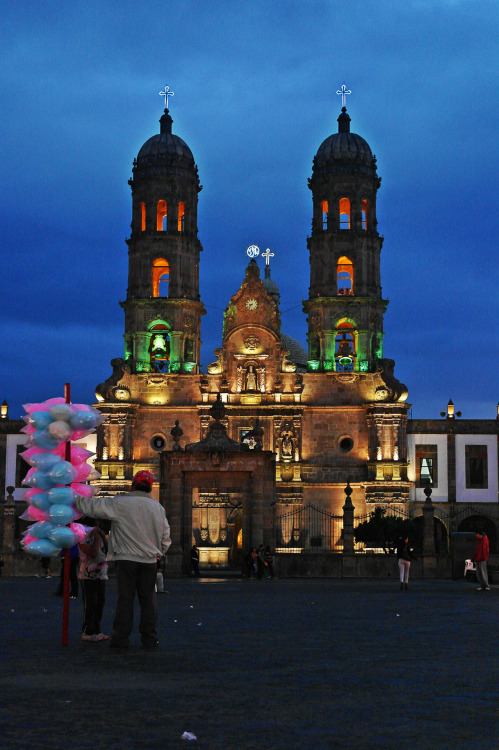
[404, 556]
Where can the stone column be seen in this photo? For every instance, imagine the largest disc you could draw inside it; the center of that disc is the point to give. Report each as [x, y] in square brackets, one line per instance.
[348, 511]
[428, 523]
[429, 556]
[175, 350]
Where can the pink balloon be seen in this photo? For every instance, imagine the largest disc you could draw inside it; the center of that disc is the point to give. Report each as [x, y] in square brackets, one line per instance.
[83, 472]
[79, 531]
[29, 473]
[28, 539]
[31, 493]
[37, 515]
[84, 490]
[28, 429]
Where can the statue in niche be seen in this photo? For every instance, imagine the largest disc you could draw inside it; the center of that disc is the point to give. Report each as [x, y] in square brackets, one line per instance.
[250, 379]
[287, 438]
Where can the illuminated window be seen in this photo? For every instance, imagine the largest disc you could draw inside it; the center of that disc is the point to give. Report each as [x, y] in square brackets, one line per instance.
[476, 467]
[324, 214]
[143, 216]
[365, 207]
[159, 348]
[345, 347]
[162, 217]
[160, 277]
[426, 465]
[344, 275]
[181, 216]
[344, 213]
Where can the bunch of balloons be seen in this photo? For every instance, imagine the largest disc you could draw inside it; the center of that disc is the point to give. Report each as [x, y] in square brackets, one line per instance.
[53, 481]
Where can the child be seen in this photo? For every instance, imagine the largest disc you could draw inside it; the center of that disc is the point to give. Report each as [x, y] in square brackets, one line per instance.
[93, 577]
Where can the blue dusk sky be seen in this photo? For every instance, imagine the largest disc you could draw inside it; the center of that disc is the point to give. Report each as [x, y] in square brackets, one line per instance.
[255, 95]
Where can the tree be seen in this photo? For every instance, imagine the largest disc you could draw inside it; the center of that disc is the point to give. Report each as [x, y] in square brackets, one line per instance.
[384, 531]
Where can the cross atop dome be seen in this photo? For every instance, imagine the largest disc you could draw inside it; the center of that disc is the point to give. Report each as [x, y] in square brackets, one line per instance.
[343, 92]
[166, 93]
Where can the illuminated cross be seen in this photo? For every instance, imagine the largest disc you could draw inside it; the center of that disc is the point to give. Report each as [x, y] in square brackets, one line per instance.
[343, 93]
[166, 93]
[267, 254]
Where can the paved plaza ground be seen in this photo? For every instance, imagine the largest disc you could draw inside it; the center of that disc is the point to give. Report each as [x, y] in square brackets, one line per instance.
[257, 664]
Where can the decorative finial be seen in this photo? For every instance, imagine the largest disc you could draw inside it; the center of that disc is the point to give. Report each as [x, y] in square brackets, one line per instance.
[267, 255]
[166, 93]
[343, 93]
[253, 251]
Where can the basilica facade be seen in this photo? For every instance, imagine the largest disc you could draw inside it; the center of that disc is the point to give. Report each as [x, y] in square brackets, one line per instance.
[330, 414]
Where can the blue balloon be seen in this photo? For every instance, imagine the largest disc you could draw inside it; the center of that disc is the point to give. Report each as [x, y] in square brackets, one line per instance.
[41, 529]
[40, 419]
[41, 480]
[61, 496]
[43, 439]
[63, 537]
[82, 420]
[62, 514]
[61, 411]
[62, 473]
[44, 461]
[41, 501]
[43, 548]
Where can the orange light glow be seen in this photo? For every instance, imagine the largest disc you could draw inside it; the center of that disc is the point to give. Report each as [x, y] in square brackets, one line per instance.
[162, 214]
[325, 210]
[143, 216]
[160, 272]
[365, 207]
[181, 213]
[344, 275]
[344, 213]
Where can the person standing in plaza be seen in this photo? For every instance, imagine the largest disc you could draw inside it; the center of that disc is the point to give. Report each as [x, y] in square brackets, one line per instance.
[195, 560]
[93, 577]
[268, 562]
[481, 559]
[404, 557]
[140, 533]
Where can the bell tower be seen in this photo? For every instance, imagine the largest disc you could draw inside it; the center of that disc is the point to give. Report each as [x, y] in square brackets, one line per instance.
[163, 308]
[345, 306]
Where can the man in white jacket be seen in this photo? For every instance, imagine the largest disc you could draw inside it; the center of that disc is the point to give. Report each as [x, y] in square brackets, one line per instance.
[139, 535]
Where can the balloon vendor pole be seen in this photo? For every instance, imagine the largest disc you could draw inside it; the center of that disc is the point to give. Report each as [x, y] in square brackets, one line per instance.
[67, 552]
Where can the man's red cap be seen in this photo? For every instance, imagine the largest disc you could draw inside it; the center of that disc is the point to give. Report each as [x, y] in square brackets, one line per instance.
[145, 478]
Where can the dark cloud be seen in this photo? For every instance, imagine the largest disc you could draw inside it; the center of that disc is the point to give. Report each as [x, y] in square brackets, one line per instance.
[254, 97]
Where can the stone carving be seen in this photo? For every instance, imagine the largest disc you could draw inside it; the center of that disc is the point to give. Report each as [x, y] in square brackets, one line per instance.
[393, 389]
[286, 364]
[250, 379]
[216, 368]
[287, 441]
[188, 323]
[252, 343]
[240, 377]
[261, 378]
[107, 389]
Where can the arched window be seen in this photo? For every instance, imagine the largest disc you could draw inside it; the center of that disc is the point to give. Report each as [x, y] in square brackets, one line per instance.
[162, 217]
[365, 208]
[143, 216]
[345, 347]
[159, 348]
[160, 277]
[181, 216]
[344, 275]
[324, 214]
[344, 213]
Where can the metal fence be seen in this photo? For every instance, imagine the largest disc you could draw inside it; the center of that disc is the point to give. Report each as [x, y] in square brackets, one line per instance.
[308, 529]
